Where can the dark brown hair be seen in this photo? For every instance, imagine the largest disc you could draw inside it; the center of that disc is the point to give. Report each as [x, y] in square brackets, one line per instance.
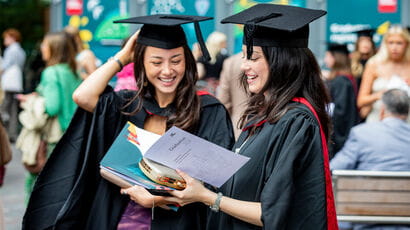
[294, 72]
[186, 102]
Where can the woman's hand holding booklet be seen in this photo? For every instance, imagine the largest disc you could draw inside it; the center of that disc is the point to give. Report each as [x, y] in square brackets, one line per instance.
[139, 157]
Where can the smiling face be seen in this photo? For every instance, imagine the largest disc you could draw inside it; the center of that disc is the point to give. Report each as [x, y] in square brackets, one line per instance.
[164, 69]
[256, 69]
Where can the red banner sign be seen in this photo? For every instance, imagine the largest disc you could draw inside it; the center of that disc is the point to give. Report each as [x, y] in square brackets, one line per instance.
[387, 6]
[74, 7]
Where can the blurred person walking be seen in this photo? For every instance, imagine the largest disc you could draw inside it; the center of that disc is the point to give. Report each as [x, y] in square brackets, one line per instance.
[343, 92]
[57, 84]
[388, 69]
[11, 72]
[85, 58]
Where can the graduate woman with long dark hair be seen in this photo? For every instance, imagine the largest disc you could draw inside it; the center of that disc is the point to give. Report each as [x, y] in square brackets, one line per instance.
[286, 184]
[70, 193]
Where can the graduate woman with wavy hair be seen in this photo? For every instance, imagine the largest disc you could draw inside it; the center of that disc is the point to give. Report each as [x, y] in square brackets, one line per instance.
[286, 184]
[165, 71]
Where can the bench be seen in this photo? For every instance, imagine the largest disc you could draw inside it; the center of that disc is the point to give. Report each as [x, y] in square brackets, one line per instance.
[372, 196]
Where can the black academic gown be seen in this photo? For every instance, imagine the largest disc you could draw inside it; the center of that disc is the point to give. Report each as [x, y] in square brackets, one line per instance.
[345, 113]
[285, 173]
[213, 70]
[71, 194]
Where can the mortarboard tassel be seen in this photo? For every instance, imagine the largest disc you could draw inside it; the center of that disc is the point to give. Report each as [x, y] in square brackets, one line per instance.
[250, 28]
[201, 42]
[249, 31]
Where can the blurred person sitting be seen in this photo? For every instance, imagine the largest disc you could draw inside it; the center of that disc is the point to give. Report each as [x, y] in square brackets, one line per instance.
[209, 71]
[85, 58]
[11, 71]
[379, 146]
[388, 69]
[230, 91]
[57, 84]
[364, 49]
[343, 92]
[382, 145]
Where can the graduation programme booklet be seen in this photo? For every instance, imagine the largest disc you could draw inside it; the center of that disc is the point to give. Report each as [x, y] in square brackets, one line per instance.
[176, 149]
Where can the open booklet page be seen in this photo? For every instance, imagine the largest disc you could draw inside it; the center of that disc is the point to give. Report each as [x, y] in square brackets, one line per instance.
[176, 149]
[198, 157]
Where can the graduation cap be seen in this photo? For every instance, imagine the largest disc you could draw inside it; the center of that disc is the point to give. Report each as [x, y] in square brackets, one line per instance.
[365, 33]
[165, 31]
[337, 48]
[275, 25]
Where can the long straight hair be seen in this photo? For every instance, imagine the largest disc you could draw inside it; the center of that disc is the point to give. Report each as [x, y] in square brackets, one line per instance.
[294, 72]
[186, 102]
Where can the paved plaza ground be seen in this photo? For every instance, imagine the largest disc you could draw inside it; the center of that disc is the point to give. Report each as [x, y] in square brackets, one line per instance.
[12, 193]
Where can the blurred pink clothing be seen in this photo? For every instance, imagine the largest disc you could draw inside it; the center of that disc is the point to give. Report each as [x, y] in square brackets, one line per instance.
[126, 79]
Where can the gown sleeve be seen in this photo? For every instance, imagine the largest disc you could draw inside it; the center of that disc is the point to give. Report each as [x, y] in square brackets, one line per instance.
[294, 180]
[215, 126]
[69, 193]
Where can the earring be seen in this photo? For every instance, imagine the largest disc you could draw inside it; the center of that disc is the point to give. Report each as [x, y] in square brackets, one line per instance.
[145, 83]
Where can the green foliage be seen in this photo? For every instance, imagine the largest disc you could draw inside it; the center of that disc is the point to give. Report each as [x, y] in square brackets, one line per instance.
[27, 16]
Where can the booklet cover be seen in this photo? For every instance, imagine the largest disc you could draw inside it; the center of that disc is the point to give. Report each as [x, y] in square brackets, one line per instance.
[120, 163]
[176, 149]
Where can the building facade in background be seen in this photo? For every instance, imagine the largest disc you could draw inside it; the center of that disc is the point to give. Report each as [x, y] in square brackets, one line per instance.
[94, 19]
